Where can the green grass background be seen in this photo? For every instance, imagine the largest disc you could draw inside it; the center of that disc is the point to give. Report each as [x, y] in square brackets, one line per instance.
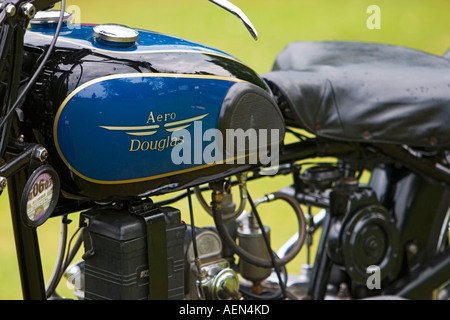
[421, 24]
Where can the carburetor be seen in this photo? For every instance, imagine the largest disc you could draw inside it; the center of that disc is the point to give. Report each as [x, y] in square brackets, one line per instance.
[209, 275]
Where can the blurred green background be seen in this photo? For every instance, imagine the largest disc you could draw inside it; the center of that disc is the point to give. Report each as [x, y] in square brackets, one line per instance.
[420, 24]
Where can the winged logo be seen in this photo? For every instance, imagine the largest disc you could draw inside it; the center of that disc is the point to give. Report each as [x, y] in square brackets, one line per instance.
[142, 131]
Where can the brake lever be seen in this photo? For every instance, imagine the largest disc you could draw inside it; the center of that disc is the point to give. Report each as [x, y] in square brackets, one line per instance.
[227, 5]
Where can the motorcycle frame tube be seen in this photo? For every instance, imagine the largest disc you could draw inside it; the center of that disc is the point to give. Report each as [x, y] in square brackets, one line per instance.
[430, 169]
[27, 244]
[314, 148]
[21, 162]
[317, 287]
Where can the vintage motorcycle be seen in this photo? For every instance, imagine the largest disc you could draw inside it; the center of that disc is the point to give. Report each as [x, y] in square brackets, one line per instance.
[102, 120]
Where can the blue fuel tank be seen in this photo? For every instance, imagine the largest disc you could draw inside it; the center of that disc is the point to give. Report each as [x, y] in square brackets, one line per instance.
[124, 112]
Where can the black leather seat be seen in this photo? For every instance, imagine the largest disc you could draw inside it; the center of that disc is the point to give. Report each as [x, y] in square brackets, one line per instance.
[370, 92]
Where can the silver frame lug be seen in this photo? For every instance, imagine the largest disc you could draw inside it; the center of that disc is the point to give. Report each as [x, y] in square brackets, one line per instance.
[10, 10]
[29, 10]
[41, 154]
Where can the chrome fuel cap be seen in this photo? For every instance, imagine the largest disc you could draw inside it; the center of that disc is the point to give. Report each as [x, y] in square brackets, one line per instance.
[115, 34]
[50, 17]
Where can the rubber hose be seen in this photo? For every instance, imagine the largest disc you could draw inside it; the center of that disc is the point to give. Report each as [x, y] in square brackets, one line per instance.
[257, 261]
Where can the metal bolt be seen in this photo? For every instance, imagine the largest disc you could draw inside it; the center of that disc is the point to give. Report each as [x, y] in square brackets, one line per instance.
[10, 10]
[29, 10]
[41, 154]
[3, 183]
[412, 248]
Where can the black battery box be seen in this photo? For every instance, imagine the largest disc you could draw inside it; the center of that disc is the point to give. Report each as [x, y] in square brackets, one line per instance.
[133, 256]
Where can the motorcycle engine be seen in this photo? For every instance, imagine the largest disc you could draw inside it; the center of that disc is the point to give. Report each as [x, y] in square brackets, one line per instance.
[364, 234]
